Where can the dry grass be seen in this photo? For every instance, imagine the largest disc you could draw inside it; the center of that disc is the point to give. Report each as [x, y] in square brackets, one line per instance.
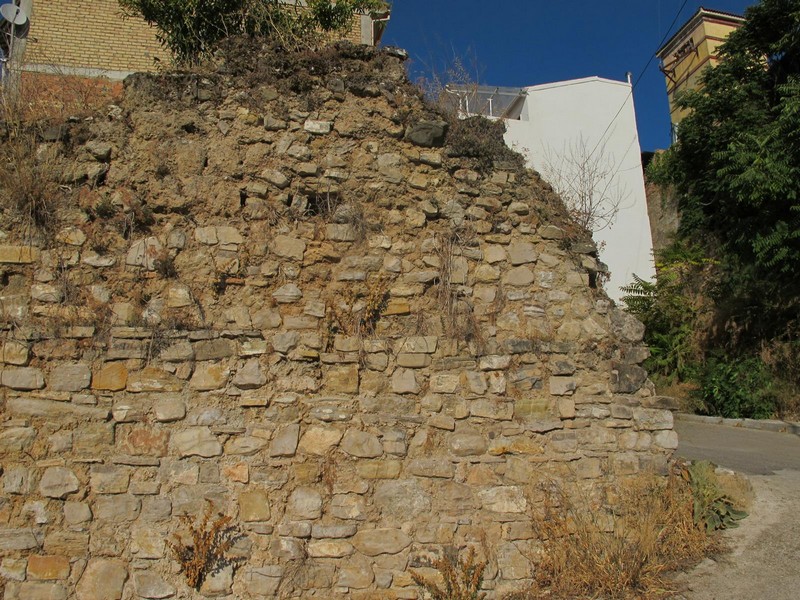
[622, 553]
[206, 554]
[461, 578]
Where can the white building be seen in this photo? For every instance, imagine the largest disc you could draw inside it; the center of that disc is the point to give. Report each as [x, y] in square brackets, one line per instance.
[581, 136]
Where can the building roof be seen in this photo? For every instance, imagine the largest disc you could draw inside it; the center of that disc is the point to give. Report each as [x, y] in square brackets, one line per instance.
[702, 13]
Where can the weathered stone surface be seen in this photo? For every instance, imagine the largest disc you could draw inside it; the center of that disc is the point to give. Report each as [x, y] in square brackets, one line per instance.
[48, 567]
[68, 377]
[18, 255]
[250, 376]
[197, 441]
[329, 549]
[427, 133]
[404, 381]
[626, 379]
[513, 564]
[167, 410]
[361, 444]
[153, 379]
[33, 590]
[562, 386]
[285, 440]
[109, 479]
[103, 578]
[58, 482]
[24, 378]
[254, 506]
[401, 500]
[373, 542]
[467, 444]
[209, 376]
[144, 253]
[318, 440]
[304, 503]
[652, 419]
[214, 349]
[342, 379]
[287, 294]
[17, 439]
[112, 377]
[14, 353]
[507, 499]
[151, 585]
[289, 247]
[519, 277]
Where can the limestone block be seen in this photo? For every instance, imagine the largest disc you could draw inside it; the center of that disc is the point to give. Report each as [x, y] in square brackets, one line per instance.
[254, 506]
[342, 379]
[652, 419]
[22, 378]
[304, 503]
[14, 353]
[58, 482]
[48, 567]
[319, 440]
[285, 440]
[197, 441]
[18, 255]
[318, 127]
[263, 581]
[520, 253]
[373, 542]
[467, 444]
[356, 574]
[432, 467]
[34, 590]
[666, 439]
[442, 383]
[348, 507]
[144, 253]
[519, 277]
[229, 236]
[494, 362]
[169, 409]
[150, 585]
[250, 376]
[109, 479]
[287, 294]
[103, 578]
[379, 469]
[511, 563]
[329, 549]
[506, 499]
[117, 508]
[70, 377]
[404, 381]
[361, 444]
[276, 178]
[153, 379]
[209, 376]
[562, 386]
[492, 409]
[112, 377]
[17, 439]
[244, 445]
[288, 247]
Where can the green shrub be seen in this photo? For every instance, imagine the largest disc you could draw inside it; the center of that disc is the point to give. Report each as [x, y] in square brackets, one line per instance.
[737, 387]
[192, 29]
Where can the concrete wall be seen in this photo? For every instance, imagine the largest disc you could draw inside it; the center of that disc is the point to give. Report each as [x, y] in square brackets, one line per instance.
[558, 116]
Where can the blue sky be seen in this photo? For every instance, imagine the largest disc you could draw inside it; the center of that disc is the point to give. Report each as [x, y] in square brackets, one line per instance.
[528, 42]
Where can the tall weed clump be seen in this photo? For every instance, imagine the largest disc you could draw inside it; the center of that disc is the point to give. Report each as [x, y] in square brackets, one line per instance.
[624, 552]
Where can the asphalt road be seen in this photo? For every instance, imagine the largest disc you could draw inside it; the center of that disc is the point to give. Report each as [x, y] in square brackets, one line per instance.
[747, 451]
[763, 561]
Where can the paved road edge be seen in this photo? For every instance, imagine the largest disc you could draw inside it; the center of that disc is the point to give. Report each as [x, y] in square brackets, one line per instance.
[762, 425]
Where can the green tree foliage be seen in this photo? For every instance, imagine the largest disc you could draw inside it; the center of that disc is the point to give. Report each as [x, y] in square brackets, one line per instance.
[193, 28]
[736, 166]
[736, 170]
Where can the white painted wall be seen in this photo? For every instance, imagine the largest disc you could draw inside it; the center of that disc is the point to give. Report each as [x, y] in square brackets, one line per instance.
[559, 115]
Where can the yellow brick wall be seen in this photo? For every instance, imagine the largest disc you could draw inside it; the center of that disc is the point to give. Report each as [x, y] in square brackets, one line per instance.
[92, 34]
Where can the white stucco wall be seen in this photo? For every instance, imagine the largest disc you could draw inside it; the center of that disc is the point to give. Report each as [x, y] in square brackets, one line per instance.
[560, 116]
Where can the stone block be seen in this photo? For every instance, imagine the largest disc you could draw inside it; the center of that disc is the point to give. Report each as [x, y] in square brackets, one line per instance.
[361, 444]
[467, 444]
[102, 578]
[22, 378]
[111, 377]
[14, 353]
[505, 499]
[304, 503]
[150, 585]
[342, 379]
[285, 440]
[319, 440]
[197, 441]
[70, 377]
[374, 542]
[209, 376]
[109, 479]
[254, 506]
[34, 590]
[379, 469]
[58, 482]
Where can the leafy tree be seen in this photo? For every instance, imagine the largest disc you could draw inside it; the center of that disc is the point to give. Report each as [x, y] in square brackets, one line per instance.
[736, 170]
[193, 28]
[736, 165]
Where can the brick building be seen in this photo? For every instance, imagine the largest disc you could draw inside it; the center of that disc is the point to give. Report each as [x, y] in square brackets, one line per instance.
[92, 38]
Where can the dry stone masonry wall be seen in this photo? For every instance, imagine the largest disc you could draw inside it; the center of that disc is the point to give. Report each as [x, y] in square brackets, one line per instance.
[304, 310]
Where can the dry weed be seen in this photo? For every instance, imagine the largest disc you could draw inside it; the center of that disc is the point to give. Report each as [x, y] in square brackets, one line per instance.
[461, 578]
[653, 534]
[206, 554]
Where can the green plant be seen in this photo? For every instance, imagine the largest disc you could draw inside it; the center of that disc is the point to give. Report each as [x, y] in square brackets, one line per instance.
[711, 507]
[192, 29]
[206, 553]
[736, 387]
[461, 578]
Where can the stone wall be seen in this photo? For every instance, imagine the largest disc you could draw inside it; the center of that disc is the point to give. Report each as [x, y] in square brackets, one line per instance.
[365, 350]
